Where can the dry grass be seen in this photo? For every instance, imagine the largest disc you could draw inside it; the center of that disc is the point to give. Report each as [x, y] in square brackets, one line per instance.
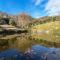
[47, 31]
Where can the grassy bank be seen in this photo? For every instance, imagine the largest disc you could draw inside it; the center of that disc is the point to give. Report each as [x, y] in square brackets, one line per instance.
[48, 31]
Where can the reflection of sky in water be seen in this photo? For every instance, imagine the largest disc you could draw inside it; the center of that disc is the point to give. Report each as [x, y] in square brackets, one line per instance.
[39, 49]
[43, 32]
[37, 52]
[49, 53]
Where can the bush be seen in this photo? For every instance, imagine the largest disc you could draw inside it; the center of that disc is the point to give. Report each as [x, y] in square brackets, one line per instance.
[12, 22]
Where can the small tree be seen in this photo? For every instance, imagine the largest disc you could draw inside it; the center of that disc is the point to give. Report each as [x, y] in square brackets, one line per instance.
[12, 22]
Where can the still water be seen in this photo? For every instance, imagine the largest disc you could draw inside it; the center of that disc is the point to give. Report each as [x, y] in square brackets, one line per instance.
[23, 47]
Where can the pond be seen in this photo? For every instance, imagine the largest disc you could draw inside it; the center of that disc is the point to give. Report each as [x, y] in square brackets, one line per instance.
[23, 47]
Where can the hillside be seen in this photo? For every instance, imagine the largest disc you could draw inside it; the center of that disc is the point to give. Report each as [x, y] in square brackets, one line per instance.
[23, 20]
[48, 31]
[45, 19]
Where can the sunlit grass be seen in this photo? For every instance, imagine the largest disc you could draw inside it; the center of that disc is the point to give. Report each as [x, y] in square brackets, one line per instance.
[49, 31]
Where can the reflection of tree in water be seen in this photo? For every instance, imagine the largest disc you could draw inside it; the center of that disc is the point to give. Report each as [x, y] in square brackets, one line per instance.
[23, 42]
[3, 44]
[20, 42]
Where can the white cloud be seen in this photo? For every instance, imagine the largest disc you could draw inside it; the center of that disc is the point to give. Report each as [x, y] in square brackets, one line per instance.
[36, 14]
[37, 2]
[53, 7]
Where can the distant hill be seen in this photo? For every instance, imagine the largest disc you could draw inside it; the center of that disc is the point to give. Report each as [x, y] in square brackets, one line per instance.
[23, 20]
[49, 31]
[45, 19]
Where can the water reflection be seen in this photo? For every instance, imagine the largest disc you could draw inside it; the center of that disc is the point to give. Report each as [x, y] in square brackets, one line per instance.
[23, 47]
[19, 41]
[23, 42]
[36, 52]
[43, 53]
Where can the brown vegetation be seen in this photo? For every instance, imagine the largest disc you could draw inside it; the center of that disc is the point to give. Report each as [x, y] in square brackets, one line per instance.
[23, 20]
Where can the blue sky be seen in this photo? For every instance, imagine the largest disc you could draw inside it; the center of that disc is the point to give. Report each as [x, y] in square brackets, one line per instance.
[35, 8]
